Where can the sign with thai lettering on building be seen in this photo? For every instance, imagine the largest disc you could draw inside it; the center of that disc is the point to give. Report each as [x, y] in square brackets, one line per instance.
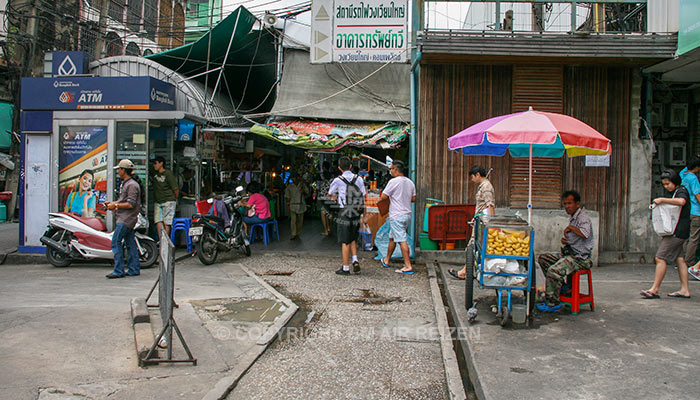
[97, 93]
[359, 31]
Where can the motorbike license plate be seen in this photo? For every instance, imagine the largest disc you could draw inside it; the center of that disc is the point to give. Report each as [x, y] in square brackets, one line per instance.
[196, 231]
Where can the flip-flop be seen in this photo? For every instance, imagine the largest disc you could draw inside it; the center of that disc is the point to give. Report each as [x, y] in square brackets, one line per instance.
[385, 265]
[678, 295]
[398, 271]
[454, 274]
[648, 294]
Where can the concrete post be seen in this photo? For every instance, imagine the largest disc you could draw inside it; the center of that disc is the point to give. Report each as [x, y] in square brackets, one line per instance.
[640, 235]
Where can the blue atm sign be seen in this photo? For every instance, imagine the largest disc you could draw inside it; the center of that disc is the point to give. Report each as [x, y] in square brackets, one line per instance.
[97, 93]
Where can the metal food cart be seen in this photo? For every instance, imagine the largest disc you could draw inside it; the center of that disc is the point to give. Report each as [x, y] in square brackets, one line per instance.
[502, 239]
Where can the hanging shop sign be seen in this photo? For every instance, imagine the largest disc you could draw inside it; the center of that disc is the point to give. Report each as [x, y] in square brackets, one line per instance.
[97, 93]
[208, 149]
[359, 31]
[81, 148]
[331, 136]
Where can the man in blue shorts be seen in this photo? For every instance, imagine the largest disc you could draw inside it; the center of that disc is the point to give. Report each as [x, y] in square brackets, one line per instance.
[401, 193]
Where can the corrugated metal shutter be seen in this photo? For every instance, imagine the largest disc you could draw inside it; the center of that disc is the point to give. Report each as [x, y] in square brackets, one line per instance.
[542, 88]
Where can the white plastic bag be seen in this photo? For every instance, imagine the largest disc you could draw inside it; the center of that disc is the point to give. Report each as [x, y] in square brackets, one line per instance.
[664, 218]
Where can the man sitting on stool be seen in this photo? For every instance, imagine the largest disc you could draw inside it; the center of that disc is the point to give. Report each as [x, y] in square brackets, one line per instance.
[574, 256]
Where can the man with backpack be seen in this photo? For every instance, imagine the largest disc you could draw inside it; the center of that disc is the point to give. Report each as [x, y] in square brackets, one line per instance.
[401, 193]
[348, 190]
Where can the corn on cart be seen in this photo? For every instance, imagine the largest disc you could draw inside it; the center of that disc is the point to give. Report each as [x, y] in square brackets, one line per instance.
[501, 257]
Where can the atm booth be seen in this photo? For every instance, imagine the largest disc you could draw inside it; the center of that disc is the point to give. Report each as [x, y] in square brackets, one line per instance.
[70, 124]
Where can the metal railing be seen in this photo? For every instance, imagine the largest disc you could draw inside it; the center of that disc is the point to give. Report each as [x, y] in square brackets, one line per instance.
[600, 16]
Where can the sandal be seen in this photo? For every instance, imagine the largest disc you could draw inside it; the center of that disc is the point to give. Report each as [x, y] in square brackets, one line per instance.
[454, 274]
[648, 294]
[678, 295]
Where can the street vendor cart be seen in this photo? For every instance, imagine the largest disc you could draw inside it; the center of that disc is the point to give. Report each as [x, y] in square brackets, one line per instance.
[501, 257]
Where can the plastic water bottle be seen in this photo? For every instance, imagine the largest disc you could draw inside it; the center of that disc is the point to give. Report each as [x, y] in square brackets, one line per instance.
[388, 161]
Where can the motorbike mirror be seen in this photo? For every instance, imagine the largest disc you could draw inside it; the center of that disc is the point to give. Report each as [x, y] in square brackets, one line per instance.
[239, 189]
[210, 201]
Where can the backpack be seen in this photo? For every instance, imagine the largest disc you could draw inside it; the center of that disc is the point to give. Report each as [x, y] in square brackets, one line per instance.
[354, 199]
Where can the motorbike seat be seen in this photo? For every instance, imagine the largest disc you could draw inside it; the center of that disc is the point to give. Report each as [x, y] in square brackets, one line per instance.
[219, 221]
[94, 223]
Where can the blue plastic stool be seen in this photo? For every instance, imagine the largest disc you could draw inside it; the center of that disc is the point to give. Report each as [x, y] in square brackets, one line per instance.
[184, 225]
[264, 227]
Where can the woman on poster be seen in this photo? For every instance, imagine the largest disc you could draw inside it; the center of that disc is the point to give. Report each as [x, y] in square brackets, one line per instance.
[82, 201]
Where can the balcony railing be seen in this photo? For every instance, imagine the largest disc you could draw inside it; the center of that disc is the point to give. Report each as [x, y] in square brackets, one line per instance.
[601, 16]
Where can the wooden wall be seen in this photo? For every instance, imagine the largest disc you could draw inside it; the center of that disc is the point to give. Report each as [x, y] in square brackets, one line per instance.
[454, 96]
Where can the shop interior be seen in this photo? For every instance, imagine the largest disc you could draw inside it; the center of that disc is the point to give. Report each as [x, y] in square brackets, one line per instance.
[226, 158]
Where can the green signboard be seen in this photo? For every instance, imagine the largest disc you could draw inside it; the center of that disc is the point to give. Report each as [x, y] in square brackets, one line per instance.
[689, 26]
[7, 111]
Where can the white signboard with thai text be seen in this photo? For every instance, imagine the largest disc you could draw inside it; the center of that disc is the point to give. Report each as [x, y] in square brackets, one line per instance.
[359, 31]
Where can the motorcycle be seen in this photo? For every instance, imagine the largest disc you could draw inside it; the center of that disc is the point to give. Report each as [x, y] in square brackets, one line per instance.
[71, 237]
[210, 234]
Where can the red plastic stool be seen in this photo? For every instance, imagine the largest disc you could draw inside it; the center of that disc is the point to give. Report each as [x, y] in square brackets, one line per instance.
[577, 299]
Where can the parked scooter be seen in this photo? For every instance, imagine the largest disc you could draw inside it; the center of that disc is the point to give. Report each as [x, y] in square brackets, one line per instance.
[71, 237]
[210, 234]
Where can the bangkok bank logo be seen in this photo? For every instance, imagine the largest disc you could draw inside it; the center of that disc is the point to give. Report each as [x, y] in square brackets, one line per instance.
[67, 67]
[67, 136]
[95, 161]
[153, 94]
[65, 97]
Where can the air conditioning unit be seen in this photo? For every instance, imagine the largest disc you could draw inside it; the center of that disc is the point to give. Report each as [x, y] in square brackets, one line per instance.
[270, 19]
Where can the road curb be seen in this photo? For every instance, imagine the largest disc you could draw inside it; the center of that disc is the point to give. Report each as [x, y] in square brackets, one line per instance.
[459, 314]
[455, 387]
[225, 385]
[12, 257]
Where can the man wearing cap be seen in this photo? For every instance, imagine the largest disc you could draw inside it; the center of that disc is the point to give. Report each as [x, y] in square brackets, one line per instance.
[127, 211]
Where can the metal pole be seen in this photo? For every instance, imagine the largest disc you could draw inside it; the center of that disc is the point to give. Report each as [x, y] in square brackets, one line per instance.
[529, 190]
[223, 63]
[416, 17]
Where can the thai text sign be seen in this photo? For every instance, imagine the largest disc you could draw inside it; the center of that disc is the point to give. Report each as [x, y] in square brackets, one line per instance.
[362, 31]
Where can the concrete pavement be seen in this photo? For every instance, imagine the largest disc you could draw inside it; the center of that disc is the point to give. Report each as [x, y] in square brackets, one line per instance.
[67, 332]
[628, 348]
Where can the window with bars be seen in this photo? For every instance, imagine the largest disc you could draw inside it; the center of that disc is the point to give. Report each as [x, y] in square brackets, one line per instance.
[116, 10]
[134, 12]
[150, 18]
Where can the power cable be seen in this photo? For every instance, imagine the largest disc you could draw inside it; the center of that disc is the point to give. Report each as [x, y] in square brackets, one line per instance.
[384, 65]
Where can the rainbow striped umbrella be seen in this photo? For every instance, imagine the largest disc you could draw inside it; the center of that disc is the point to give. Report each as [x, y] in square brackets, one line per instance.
[530, 134]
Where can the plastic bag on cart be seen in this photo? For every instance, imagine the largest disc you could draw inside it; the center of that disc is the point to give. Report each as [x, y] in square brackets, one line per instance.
[503, 265]
[381, 240]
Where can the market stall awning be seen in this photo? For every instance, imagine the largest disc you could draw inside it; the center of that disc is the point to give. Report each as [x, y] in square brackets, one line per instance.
[333, 136]
[383, 96]
[248, 76]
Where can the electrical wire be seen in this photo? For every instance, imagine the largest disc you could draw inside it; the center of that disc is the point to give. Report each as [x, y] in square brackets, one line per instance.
[384, 65]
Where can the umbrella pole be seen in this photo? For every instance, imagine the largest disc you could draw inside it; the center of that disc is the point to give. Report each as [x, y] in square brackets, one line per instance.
[529, 190]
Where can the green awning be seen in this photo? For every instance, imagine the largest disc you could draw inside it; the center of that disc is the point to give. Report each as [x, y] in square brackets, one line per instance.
[7, 112]
[249, 72]
[313, 135]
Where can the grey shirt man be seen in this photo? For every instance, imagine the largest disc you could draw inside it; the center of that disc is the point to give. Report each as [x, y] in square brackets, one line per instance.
[130, 192]
[582, 247]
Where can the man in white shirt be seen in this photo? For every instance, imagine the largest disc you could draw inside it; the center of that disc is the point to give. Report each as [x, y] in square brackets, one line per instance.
[401, 193]
[351, 203]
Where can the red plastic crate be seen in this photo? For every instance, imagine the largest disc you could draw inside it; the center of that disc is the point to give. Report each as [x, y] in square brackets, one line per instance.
[5, 195]
[450, 222]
